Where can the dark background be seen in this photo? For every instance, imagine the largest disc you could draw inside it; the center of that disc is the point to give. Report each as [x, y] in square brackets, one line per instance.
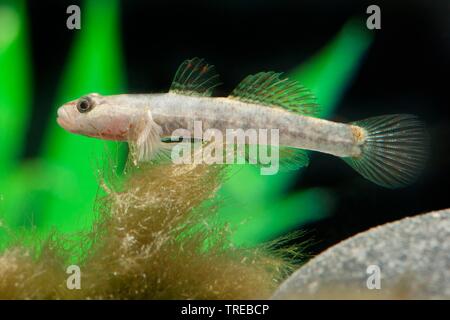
[405, 71]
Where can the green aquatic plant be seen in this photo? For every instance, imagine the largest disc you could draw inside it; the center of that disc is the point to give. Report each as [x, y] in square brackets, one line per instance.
[57, 188]
[15, 99]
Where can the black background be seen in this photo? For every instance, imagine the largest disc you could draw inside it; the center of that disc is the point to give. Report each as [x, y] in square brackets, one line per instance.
[405, 71]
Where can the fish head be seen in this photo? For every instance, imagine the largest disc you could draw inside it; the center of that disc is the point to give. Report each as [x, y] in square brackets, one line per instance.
[94, 115]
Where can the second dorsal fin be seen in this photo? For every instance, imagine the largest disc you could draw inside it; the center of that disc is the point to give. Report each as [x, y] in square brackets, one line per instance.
[195, 77]
[268, 88]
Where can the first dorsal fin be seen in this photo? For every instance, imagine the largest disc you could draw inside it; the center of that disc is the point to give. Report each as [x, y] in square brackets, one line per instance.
[268, 88]
[195, 77]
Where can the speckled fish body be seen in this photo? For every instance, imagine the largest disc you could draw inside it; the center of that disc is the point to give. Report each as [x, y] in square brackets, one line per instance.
[389, 150]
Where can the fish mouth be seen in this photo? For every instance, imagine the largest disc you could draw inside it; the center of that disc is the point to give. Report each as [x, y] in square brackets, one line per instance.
[61, 122]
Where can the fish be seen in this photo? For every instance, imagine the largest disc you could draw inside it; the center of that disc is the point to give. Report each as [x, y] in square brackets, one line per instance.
[389, 150]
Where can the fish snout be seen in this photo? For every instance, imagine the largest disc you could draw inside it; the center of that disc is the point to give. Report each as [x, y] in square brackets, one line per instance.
[63, 118]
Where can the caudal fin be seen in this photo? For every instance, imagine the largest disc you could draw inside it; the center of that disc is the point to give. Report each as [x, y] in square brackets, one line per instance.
[394, 150]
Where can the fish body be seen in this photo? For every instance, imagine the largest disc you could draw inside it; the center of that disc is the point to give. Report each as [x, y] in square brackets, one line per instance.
[388, 150]
[172, 111]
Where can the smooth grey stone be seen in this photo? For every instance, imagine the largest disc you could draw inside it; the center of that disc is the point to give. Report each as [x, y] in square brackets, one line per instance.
[413, 256]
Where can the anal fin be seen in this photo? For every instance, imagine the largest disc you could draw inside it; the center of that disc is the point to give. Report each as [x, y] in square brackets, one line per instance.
[285, 158]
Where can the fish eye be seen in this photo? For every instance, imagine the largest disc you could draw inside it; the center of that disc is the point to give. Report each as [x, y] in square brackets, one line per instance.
[85, 104]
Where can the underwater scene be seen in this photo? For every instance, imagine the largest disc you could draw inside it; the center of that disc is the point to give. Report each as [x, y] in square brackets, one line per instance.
[224, 150]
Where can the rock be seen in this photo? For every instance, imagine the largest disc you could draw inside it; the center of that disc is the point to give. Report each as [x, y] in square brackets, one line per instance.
[412, 254]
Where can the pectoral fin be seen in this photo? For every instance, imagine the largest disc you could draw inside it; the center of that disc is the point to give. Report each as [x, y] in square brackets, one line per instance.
[145, 140]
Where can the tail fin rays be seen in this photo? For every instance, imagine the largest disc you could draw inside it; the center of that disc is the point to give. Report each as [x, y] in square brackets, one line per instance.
[394, 150]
